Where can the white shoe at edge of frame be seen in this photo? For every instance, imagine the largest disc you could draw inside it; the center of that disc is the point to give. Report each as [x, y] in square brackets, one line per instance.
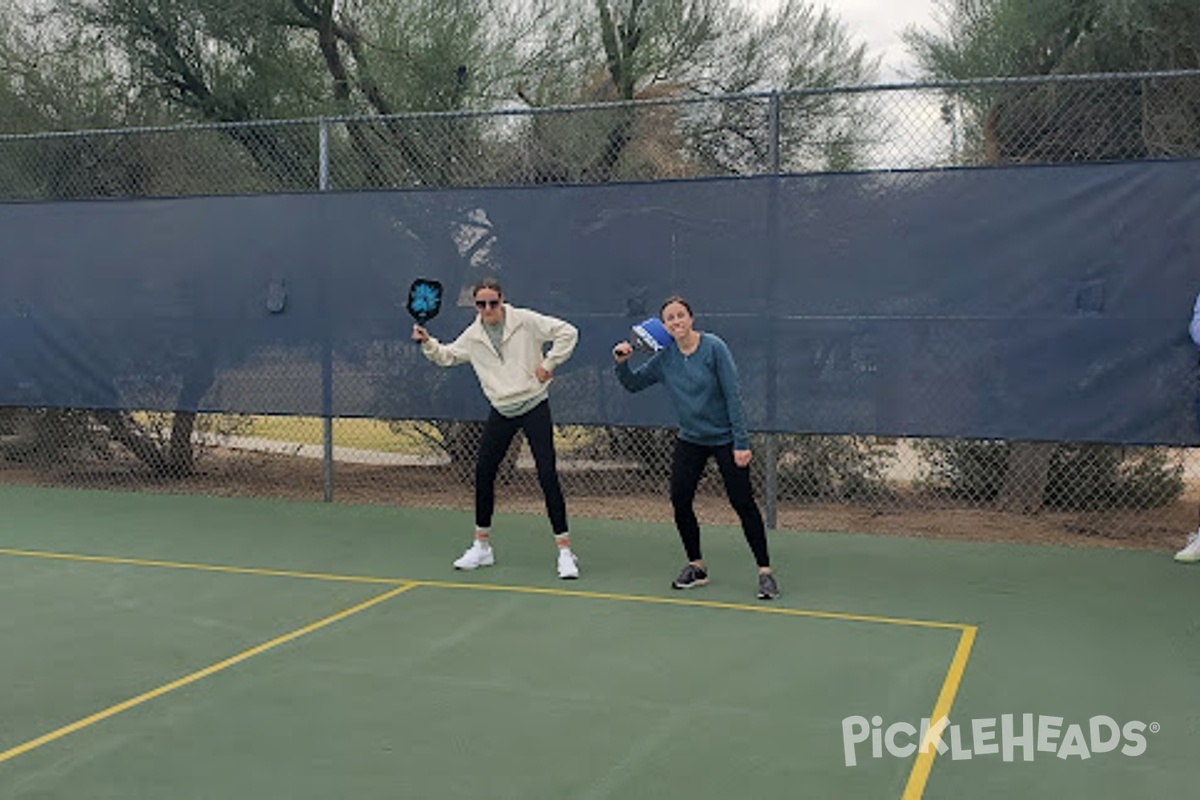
[1191, 551]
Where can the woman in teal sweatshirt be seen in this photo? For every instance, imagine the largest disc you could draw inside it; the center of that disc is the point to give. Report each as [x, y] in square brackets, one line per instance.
[701, 378]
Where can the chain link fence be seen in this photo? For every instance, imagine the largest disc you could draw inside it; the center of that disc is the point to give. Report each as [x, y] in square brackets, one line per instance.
[1060, 492]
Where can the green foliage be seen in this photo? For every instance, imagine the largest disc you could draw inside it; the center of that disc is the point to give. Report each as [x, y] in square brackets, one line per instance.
[652, 448]
[1077, 121]
[963, 469]
[1081, 476]
[701, 48]
[49, 437]
[59, 75]
[813, 467]
[112, 63]
[987, 38]
[168, 445]
[1089, 477]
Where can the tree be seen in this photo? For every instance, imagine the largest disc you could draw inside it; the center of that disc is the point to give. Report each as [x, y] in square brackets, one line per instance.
[690, 50]
[95, 63]
[1065, 121]
[236, 61]
[56, 74]
[990, 38]
[1077, 120]
[233, 61]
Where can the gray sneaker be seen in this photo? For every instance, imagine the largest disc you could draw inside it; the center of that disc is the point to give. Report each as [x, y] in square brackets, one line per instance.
[691, 576]
[767, 588]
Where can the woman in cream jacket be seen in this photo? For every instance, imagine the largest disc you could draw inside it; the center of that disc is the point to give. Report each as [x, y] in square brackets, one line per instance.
[506, 346]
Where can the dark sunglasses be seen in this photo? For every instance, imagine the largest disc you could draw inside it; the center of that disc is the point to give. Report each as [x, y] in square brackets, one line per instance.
[486, 303]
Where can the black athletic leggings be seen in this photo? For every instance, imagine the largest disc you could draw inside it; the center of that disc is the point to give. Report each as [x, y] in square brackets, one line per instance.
[498, 433]
[687, 467]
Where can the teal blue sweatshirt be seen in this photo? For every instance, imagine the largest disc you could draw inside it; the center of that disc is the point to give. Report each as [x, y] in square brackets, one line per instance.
[703, 387]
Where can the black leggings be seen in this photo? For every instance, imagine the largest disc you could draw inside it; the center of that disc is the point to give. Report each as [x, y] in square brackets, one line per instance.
[498, 433]
[687, 467]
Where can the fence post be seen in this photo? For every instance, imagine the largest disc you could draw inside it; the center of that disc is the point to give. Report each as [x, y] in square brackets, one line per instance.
[327, 345]
[772, 454]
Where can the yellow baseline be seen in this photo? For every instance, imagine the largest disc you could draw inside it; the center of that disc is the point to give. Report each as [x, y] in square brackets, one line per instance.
[112, 711]
[914, 788]
[487, 587]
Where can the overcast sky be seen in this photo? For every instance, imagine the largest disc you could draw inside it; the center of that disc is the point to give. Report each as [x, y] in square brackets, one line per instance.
[878, 24]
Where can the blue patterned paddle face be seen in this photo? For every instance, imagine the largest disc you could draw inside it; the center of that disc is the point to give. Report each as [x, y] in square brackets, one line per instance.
[424, 300]
[651, 335]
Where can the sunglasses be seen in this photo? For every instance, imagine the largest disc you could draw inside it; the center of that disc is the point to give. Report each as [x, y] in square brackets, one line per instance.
[486, 303]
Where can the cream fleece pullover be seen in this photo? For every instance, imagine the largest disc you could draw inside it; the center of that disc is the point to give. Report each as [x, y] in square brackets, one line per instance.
[507, 377]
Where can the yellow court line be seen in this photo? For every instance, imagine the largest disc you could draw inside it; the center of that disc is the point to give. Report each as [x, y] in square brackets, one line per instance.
[146, 562]
[112, 711]
[919, 775]
[487, 587]
[679, 601]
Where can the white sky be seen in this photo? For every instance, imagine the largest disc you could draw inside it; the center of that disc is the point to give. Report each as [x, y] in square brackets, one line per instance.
[878, 24]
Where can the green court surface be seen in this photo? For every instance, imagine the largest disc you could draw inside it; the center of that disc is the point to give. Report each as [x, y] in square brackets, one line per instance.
[189, 647]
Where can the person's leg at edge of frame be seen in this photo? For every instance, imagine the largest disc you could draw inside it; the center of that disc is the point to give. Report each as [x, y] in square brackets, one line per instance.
[687, 465]
[740, 491]
[539, 432]
[1190, 554]
[497, 435]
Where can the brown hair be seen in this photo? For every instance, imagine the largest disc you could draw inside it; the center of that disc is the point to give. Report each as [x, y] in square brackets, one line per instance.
[676, 298]
[487, 283]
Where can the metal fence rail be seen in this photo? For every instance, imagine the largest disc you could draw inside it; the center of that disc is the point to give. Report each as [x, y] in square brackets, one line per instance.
[1049, 491]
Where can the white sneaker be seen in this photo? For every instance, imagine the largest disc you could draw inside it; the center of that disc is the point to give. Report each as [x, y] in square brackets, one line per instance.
[1191, 551]
[477, 555]
[568, 565]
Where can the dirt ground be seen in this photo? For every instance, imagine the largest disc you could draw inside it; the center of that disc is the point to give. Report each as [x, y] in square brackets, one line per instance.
[607, 496]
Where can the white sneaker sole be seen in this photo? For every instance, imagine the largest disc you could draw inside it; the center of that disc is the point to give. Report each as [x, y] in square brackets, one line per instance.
[692, 585]
[470, 565]
[1187, 559]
